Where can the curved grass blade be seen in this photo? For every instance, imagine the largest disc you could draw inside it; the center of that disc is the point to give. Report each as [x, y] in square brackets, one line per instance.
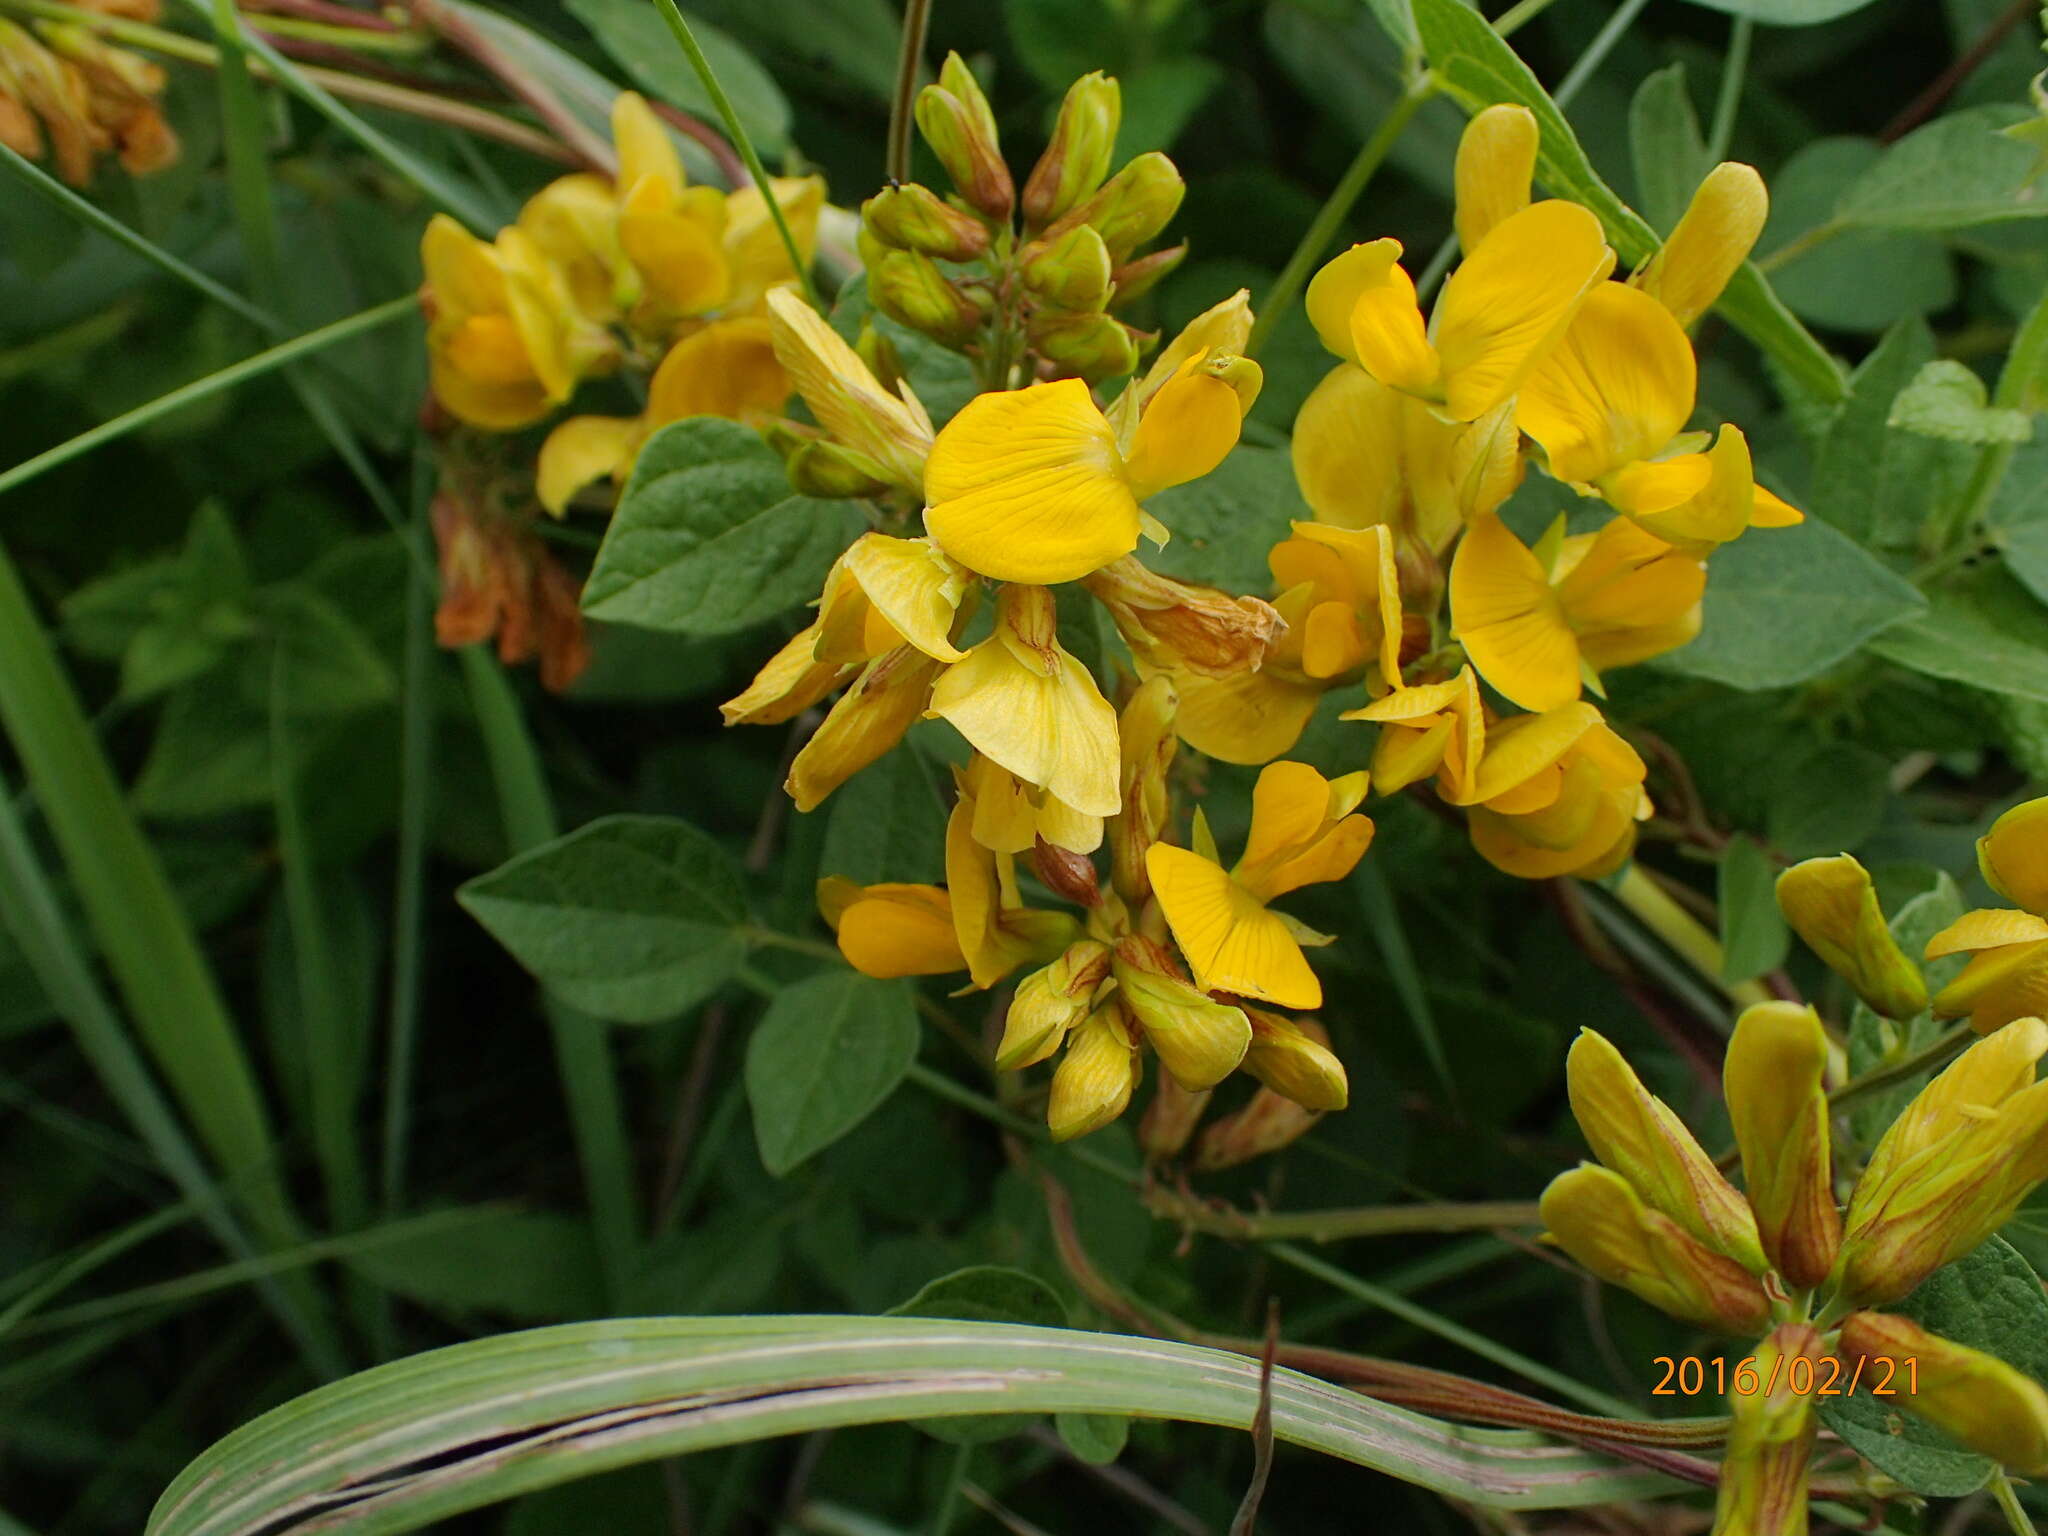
[419, 1440]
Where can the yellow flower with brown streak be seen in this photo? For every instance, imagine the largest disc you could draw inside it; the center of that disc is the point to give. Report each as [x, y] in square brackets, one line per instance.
[1832, 905]
[1557, 794]
[2007, 975]
[1777, 1098]
[1303, 832]
[1035, 485]
[1608, 404]
[1535, 623]
[1300, 1079]
[1022, 701]
[1771, 1437]
[1051, 1003]
[1951, 1170]
[506, 343]
[1200, 1041]
[1499, 314]
[888, 434]
[1968, 1394]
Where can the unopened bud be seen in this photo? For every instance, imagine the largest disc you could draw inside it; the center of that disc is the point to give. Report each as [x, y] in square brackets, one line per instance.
[1133, 205]
[2011, 856]
[1293, 1058]
[1832, 905]
[1199, 1041]
[1178, 626]
[1094, 1080]
[1135, 279]
[1146, 743]
[825, 469]
[908, 287]
[1779, 1105]
[1170, 1119]
[1072, 272]
[1968, 1394]
[1091, 347]
[1049, 1003]
[955, 119]
[1077, 159]
[1770, 1442]
[1067, 874]
[1711, 242]
[1268, 1122]
[881, 357]
[914, 218]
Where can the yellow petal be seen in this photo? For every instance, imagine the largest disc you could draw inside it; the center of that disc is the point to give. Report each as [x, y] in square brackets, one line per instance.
[1986, 928]
[1231, 941]
[869, 719]
[1714, 238]
[1832, 905]
[1508, 619]
[1389, 338]
[580, 450]
[1617, 388]
[754, 252]
[681, 264]
[645, 150]
[1716, 513]
[1095, 1079]
[895, 434]
[1997, 987]
[1773, 511]
[1187, 429]
[1973, 1396]
[792, 681]
[1334, 291]
[1027, 486]
[1520, 748]
[574, 219]
[1647, 487]
[461, 270]
[2013, 855]
[1375, 580]
[1250, 717]
[1506, 305]
[913, 586]
[1300, 834]
[1773, 1076]
[726, 369]
[1496, 160]
[1221, 329]
[1347, 449]
[1295, 1060]
[900, 930]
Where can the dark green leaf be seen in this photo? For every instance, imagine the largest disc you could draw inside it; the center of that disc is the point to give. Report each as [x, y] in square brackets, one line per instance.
[1669, 151]
[1787, 13]
[634, 34]
[823, 1058]
[1827, 799]
[1985, 630]
[1754, 938]
[1873, 1039]
[527, 1265]
[1956, 171]
[1850, 468]
[888, 823]
[1854, 279]
[1224, 523]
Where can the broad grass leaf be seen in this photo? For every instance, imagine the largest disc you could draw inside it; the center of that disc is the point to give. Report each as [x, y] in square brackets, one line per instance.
[631, 918]
[987, 1293]
[826, 1054]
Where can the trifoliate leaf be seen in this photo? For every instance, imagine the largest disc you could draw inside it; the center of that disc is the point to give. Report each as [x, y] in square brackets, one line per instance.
[1948, 400]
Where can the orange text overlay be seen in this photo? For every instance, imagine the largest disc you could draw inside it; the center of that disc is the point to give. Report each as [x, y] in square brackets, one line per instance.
[1878, 1375]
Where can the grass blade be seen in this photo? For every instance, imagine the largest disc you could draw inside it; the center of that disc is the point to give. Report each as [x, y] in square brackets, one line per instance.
[1383, 922]
[416, 1441]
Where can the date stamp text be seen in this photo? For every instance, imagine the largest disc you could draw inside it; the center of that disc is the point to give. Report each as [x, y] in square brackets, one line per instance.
[1878, 1375]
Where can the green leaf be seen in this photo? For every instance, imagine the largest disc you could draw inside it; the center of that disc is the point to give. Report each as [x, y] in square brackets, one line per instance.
[1948, 400]
[633, 918]
[1097, 1438]
[1224, 523]
[1849, 470]
[851, 40]
[888, 823]
[335, 668]
[1665, 142]
[531, 1265]
[422, 1439]
[1787, 13]
[1160, 100]
[1785, 604]
[1956, 171]
[1828, 799]
[633, 33]
[709, 537]
[829, 1050]
[1989, 1300]
[1478, 68]
[1848, 279]
[1754, 938]
[1985, 629]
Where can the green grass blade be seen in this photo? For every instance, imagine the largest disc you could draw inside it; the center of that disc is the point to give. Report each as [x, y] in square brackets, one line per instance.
[582, 1043]
[422, 1439]
[90, 1258]
[1383, 922]
[204, 389]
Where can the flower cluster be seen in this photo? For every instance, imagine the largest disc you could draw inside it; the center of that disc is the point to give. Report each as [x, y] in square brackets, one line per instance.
[1655, 1216]
[642, 273]
[64, 87]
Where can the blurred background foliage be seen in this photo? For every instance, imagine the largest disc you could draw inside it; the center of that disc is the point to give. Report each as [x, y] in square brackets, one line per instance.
[235, 613]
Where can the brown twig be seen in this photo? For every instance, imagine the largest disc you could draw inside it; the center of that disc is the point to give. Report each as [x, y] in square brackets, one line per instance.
[341, 56]
[591, 149]
[730, 165]
[1928, 102]
[689, 1111]
[325, 11]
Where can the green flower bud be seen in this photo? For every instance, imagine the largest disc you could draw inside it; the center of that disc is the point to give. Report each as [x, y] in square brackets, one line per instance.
[1091, 347]
[914, 218]
[1071, 273]
[1134, 205]
[1077, 159]
[1135, 279]
[909, 288]
[955, 119]
[1199, 1041]
[820, 467]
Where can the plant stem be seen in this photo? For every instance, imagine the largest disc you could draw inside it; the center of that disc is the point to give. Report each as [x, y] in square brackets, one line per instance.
[917, 16]
[1333, 1225]
[1329, 219]
[2008, 1501]
[1728, 100]
[949, 1498]
[1518, 16]
[940, 1086]
[1930, 1056]
[1596, 52]
[687, 41]
[1682, 931]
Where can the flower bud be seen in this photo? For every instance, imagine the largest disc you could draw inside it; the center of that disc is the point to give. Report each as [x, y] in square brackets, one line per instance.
[1770, 1442]
[1293, 1058]
[914, 218]
[1268, 1122]
[1597, 1218]
[1134, 205]
[1199, 1041]
[818, 467]
[1222, 330]
[1637, 1135]
[1712, 240]
[1135, 279]
[1496, 159]
[1077, 159]
[888, 430]
[2013, 856]
[1170, 1119]
[1050, 1002]
[1177, 626]
[1070, 273]
[1972, 1396]
[866, 721]
[1832, 905]
[910, 289]
[955, 119]
[1779, 1105]
[1068, 874]
[1146, 743]
[1093, 1083]
[1091, 347]
[891, 930]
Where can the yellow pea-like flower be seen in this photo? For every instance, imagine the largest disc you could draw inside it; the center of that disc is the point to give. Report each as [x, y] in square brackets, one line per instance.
[1777, 1100]
[1303, 832]
[1973, 1396]
[1147, 743]
[1049, 1004]
[1432, 728]
[891, 434]
[1720, 227]
[1605, 599]
[1500, 312]
[892, 929]
[1560, 795]
[1832, 905]
[2013, 855]
[1496, 160]
[1199, 1040]
[1033, 485]
[575, 221]
[1292, 1057]
[884, 701]
[2007, 975]
[996, 931]
[1770, 1441]
[1095, 1078]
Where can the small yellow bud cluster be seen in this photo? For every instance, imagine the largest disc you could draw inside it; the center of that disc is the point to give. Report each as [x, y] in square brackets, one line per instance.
[1037, 300]
[66, 89]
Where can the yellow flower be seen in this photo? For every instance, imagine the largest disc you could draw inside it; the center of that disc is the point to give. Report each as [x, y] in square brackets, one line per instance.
[1199, 1040]
[1535, 627]
[1146, 745]
[1303, 831]
[1500, 312]
[1832, 905]
[1095, 1079]
[1496, 159]
[1033, 485]
[1966, 1393]
[1779, 1105]
[889, 434]
[1770, 1441]
[2013, 855]
[1023, 702]
[1049, 1003]
[2007, 977]
[1609, 406]
[892, 929]
[575, 221]
[1712, 240]
[996, 931]
[1557, 794]
[868, 719]
[505, 340]
[1292, 1057]
[1437, 728]
[728, 368]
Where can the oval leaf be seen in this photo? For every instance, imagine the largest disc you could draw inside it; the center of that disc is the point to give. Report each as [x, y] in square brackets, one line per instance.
[823, 1057]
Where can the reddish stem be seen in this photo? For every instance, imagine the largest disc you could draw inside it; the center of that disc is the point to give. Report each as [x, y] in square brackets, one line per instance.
[324, 11]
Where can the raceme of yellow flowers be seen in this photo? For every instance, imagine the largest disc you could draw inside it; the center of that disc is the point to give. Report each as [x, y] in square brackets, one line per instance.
[1471, 651]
